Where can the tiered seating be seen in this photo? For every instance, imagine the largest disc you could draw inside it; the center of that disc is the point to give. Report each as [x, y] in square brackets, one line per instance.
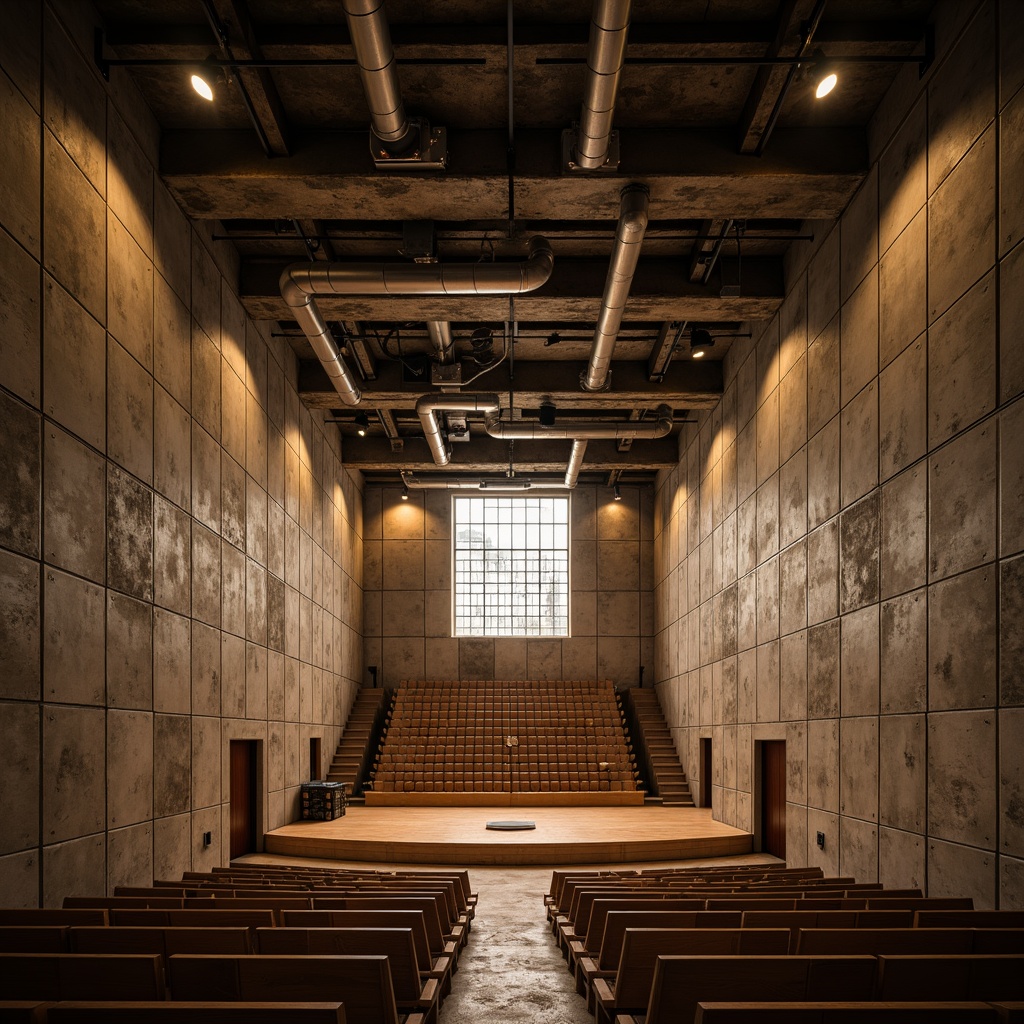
[505, 737]
[264, 944]
[739, 945]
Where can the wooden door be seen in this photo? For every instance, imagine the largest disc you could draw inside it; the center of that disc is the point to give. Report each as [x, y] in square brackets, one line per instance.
[773, 798]
[705, 772]
[243, 797]
[314, 758]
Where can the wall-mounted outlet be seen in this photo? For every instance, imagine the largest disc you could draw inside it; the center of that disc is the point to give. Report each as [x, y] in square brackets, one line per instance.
[821, 840]
[208, 839]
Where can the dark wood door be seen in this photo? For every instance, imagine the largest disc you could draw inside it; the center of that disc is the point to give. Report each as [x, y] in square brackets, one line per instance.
[314, 758]
[773, 797]
[705, 772]
[243, 797]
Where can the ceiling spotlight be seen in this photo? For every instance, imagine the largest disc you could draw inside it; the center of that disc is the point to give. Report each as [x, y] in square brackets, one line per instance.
[362, 424]
[825, 75]
[701, 343]
[405, 492]
[618, 493]
[546, 414]
[207, 77]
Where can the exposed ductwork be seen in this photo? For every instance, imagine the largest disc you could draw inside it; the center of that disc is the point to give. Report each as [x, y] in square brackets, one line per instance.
[519, 431]
[629, 236]
[301, 283]
[440, 332]
[463, 483]
[609, 26]
[572, 471]
[371, 40]
[427, 408]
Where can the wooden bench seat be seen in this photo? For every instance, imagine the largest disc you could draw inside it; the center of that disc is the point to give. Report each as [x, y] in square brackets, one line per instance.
[33, 938]
[188, 1012]
[215, 917]
[846, 1013]
[362, 983]
[434, 963]
[43, 916]
[23, 1011]
[165, 941]
[413, 992]
[681, 982]
[58, 976]
[629, 989]
[797, 919]
[884, 940]
[951, 977]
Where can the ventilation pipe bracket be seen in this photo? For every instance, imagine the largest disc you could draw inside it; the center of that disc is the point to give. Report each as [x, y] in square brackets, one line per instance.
[570, 164]
[444, 375]
[422, 149]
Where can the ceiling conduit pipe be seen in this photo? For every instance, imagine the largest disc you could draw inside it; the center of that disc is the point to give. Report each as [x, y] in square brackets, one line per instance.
[572, 471]
[301, 283]
[520, 431]
[629, 236]
[440, 332]
[427, 408]
[371, 40]
[609, 26]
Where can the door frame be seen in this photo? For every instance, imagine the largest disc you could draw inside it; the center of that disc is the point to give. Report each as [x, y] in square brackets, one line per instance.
[760, 784]
[706, 751]
[258, 793]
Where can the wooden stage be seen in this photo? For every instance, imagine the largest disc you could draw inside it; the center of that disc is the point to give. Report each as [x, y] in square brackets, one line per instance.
[564, 835]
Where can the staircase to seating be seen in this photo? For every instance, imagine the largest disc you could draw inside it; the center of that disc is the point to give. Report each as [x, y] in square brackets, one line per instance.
[666, 781]
[360, 740]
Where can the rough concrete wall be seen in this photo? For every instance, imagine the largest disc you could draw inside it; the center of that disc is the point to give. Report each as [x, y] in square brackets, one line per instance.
[408, 580]
[180, 549]
[839, 550]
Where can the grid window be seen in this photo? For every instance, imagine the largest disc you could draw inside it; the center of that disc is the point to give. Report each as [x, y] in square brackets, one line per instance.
[511, 566]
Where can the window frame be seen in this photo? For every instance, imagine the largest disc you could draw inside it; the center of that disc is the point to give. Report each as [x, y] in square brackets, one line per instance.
[567, 634]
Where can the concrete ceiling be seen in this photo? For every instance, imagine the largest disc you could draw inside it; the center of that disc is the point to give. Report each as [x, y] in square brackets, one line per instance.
[701, 137]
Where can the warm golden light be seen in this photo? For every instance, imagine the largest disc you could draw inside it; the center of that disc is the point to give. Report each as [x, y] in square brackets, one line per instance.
[202, 87]
[698, 354]
[826, 85]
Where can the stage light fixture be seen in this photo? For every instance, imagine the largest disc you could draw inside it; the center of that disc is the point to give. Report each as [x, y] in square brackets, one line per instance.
[826, 76]
[405, 492]
[618, 493]
[701, 343]
[362, 424]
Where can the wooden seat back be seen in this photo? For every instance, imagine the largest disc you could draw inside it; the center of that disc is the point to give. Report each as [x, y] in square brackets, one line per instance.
[33, 938]
[811, 941]
[411, 919]
[426, 905]
[81, 976]
[969, 919]
[187, 1012]
[122, 902]
[970, 976]
[42, 916]
[681, 982]
[618, 921]
[165, 941]
[845, 1013]
[594, 935]
[362, 983]
[394, 943]
[213, 918]
[641, 948]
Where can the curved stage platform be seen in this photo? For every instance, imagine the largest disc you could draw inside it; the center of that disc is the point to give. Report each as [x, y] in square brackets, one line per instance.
[564, 835]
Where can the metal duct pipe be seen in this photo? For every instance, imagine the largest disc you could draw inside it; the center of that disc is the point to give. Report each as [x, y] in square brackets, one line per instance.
[440, 332]
[519, 431]
[302, 282]
[371, 40]
[629, 236]
[609, 26]
[572, 471]
[427, 408]
[433, 483]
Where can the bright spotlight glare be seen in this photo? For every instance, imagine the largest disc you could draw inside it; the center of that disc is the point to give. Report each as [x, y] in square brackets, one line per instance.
[202, 87]
[698, 353]
[826, 85]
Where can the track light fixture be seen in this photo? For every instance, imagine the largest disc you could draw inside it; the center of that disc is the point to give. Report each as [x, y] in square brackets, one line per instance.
[618, 493]
[405, 491]
[825, 75]
[701, 343]
[207, 77]
[362, 424]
